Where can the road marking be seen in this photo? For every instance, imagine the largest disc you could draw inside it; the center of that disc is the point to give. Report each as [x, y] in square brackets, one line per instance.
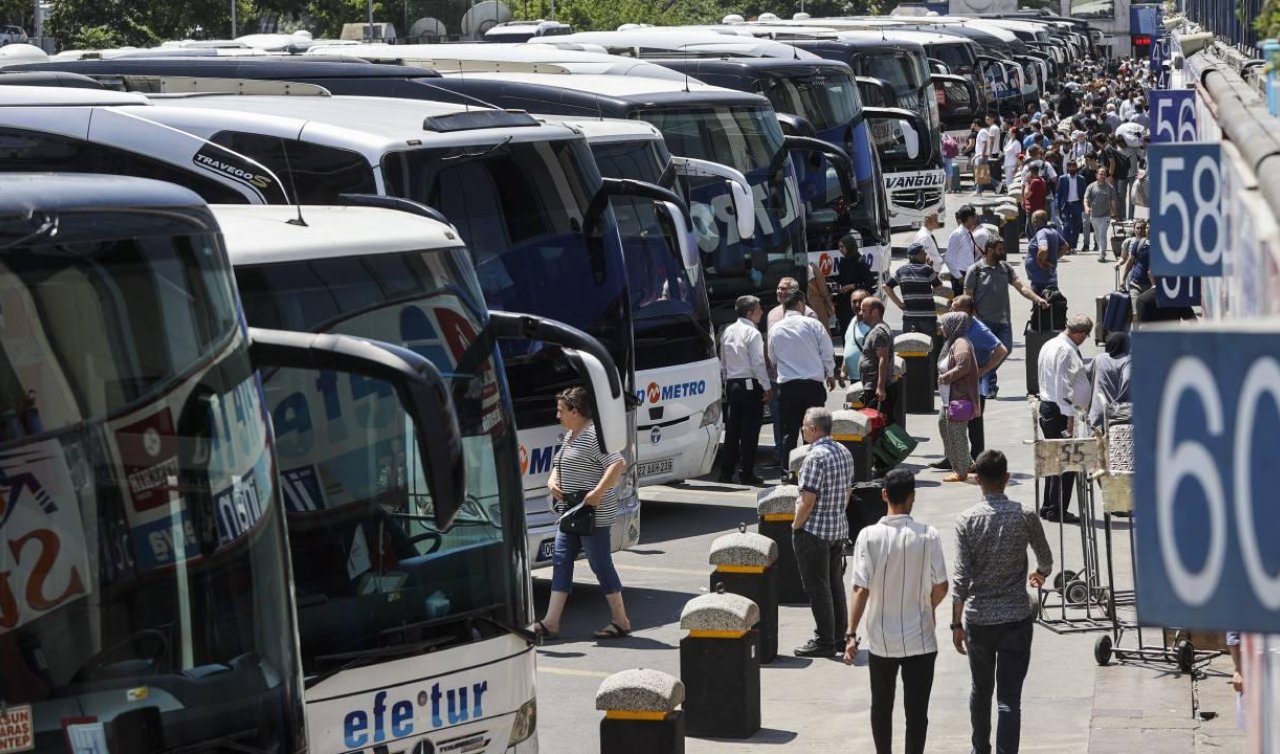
[569, 671]
[658, 569]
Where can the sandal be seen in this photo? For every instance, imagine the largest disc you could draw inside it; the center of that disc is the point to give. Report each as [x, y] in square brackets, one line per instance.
[543, 632]
[953, 477]
[614, 631]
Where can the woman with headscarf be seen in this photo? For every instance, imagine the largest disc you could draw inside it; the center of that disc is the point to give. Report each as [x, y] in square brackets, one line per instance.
[1112, 404]
[958, 386]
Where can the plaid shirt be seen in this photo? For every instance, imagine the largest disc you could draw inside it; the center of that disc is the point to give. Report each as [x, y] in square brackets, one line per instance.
[828, 473]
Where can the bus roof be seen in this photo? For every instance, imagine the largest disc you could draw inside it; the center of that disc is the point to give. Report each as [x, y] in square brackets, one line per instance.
[292, 68]
[60, 96]
[605, 129]
[23, 192]
[265, 235]
[783, 66]
[625, 92]
[526, 58]
[675, 40]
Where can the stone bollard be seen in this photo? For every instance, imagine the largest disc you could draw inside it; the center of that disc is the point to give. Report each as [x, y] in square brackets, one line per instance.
[720, 666]
[852, 429]
[745, 566]
[777, 509]
[853, 396]
[640, 715]
[919, 381]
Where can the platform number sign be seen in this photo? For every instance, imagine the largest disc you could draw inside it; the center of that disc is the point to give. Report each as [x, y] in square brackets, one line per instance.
[1188, 229]
[1205, 449]
[1174, 115]
[1177, 292]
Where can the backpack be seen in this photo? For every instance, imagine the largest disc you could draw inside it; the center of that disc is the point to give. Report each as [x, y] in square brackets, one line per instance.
[1052, 319]
[1122, 163]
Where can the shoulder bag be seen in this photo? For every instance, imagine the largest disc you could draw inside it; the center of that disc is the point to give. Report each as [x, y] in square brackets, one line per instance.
[580, 519]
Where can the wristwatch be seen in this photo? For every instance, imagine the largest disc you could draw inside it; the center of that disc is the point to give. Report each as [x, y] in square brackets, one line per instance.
[848, 636]
[957, 626]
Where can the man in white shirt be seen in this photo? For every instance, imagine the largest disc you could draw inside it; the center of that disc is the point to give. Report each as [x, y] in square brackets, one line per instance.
[925, 238]
[746, 386]
[981, 155]
[1064, 389]
[785, 286]
[993, 151]
[962, 247]
[899, 579]
[800, 348]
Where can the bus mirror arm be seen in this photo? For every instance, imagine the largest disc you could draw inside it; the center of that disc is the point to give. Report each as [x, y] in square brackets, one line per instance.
[838, 157]
[422, 392]
[744, 206]
[588, 357]
[631, 187]
[396, 203]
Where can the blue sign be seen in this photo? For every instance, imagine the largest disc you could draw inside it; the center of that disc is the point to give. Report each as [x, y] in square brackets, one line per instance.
[1205, 451]
[1188, 229]
[1173, 115]
[1177, 292]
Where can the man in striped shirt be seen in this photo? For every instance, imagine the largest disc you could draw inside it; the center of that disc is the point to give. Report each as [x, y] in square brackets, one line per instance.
[899, 579]
[919, 282]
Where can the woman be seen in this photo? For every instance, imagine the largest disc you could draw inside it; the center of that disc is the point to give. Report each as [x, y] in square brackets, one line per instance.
[855, 274]
[957, 382]
[1112, 406]
[579, 467]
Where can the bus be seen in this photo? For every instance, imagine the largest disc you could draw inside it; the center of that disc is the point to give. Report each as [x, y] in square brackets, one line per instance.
[327, 148]
[145, 585]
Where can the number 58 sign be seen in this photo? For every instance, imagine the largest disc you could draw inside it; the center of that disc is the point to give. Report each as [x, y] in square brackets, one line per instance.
[1188, 229]
[1206, 446]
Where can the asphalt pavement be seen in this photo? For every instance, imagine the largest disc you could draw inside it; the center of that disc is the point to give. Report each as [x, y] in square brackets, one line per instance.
[1070, 703]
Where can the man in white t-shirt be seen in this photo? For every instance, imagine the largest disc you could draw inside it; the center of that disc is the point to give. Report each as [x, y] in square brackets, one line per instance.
[981, 154]
[899, 579]
[925, 238]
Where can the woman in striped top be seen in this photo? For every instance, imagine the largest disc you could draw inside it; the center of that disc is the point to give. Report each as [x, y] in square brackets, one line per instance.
[580, 466]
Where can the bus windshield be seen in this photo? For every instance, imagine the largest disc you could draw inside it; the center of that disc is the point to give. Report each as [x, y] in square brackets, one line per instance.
[827, 99]
[748, 139]
[145, 592]
[671, 318]
[522, 208]
[371, 569]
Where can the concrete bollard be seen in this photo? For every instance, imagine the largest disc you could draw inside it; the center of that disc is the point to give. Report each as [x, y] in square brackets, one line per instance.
[853, 396]
[919, 380]
[776, 507]
[640, 713]
[745, 566]
[852, 429]
[720, 666]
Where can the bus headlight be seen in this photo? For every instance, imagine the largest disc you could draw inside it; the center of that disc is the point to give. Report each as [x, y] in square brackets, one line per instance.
[711, 415]
[525, 723]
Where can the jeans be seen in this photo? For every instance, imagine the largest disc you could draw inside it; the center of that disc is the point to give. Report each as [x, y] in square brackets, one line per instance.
[599, 556]
[917, 683]
[1004, 332]
[998, 659]
[1056, 488]
[797, 397]
[1072, 219]
[1122, 189]
[741, 427]
[821, 564]
[1099, 225]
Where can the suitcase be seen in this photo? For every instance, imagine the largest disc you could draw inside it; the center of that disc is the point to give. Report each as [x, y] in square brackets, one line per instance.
[1034, 342]
[1099, 315]
[1116, 314]
[865, 507]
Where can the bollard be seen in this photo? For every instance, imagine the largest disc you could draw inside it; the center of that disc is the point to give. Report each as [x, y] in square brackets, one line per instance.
[777, 509]
[640, 715]
[745, 566]
[866, 506]
[853, 396]
[899, 414]
[919, 381]
[720, 666]
[852, 429]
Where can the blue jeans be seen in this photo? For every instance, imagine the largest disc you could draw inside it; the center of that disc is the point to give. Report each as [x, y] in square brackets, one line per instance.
[999, 656]
[1004, 332]
[599, 556]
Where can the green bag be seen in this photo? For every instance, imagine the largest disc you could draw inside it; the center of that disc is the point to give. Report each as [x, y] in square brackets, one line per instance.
[893, 446]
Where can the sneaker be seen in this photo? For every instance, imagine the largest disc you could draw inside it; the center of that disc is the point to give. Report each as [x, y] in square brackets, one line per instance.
[1067, 517]
[751, 481]
[812, 648]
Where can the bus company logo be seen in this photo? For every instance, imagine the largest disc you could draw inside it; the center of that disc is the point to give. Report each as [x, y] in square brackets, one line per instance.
[211, 158]
[655, 435]
[655, 392]
[538, 461]
[921, 180]
[389, 720]
[826, 264]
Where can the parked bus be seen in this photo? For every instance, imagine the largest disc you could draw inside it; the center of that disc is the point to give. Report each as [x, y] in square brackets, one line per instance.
[146, 590]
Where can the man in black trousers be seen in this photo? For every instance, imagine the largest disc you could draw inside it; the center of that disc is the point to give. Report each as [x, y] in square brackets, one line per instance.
[801, 349]
[746, 387]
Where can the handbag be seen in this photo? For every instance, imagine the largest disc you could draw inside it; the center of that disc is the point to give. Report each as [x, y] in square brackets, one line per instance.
[960, 410]
[580, 519]
[893, 446]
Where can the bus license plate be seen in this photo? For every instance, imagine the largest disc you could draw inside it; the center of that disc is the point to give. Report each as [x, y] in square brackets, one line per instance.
[546, 548]
[654, 468]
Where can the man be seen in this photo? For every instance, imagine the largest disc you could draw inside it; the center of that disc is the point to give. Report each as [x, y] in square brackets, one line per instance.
[854, 337]
[981, 157]
[1042, 256]
[918, 281]
[989, 352]
[1140, 116]
[988, 284]
[1117, 163]
[1100, 204]
[962, 247]
[1064, 389]
[746, 387]
[785, 286]
[899, 579]
[992, 539]
[1071, 193]
[875, 366]
[820, 530]
[1035, 194]
[800, 349]
[1147, 309]
[925, 238]
[994, 151]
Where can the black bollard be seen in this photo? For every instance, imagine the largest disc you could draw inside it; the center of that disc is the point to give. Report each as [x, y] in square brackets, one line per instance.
[640, 713]
[745, 565]
[777, 509]
[720, 666]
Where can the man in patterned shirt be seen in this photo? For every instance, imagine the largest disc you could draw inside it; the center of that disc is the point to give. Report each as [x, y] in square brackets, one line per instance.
[987, 588]
[820, 531]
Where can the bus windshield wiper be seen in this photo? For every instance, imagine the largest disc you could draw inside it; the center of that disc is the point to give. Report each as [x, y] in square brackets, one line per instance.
[364, 657]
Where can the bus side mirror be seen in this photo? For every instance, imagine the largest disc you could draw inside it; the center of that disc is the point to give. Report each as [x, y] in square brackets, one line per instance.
[741, 196]
[588, 358]
[837, 157]
[683, 226]
[421, 390]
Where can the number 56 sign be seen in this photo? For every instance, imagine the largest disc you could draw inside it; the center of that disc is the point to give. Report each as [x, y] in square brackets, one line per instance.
[1206, 447]
[1188, 229]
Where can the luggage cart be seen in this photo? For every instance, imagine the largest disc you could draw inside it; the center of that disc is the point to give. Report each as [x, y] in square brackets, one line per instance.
[1071, 590]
